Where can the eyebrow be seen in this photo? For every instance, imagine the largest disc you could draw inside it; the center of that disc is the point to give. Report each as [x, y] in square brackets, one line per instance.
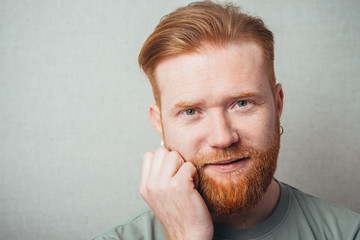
[189, 104]
[245, 94]
[186, 104]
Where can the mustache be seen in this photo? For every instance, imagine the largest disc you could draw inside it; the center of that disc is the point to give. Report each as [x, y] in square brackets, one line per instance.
[221, 155]
[237, 152]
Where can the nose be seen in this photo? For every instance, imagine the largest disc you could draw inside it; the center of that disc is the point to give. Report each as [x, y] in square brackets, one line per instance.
[221, 133]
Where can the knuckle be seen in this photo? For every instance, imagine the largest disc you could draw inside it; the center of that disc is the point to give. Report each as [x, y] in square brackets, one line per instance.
[161, 150]
[144, 193]
[174, 154]
[190, 166]
[175, 185]
[155, 191]
[176, 157]
[149, 188]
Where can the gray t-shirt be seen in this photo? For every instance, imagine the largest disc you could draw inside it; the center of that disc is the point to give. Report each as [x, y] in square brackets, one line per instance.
[296, 216]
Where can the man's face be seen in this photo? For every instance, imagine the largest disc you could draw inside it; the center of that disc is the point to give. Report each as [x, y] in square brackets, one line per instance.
[218, 111]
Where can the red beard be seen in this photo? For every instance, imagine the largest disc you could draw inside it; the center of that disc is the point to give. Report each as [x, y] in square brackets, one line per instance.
[238, 191]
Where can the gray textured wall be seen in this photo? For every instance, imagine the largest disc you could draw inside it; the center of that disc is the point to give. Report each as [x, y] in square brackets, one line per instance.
[73, 107]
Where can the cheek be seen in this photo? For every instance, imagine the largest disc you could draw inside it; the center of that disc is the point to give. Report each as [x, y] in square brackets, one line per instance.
[257, 130]
[187, 141]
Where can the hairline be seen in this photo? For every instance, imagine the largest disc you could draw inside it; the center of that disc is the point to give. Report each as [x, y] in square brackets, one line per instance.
[204, 47]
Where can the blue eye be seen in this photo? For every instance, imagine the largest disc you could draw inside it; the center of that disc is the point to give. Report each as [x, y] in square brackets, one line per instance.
[242, 103]
[190, 111]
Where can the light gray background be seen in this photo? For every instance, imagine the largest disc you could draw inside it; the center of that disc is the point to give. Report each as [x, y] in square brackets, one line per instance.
[73, 107]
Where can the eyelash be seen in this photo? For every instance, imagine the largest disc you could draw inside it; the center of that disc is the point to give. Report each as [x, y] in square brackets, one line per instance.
[196, 114]
[246, 102]
[196, 111]
[184, 112]
[191, 109]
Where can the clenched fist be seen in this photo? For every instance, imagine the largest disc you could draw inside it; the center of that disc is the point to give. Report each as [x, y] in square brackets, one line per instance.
[169, 186]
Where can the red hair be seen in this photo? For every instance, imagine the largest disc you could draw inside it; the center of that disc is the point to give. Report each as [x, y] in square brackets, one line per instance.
[189, 28]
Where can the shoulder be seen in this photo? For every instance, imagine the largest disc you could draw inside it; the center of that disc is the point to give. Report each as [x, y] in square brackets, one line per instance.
[320, 206]
[330, 219]
[143, 225]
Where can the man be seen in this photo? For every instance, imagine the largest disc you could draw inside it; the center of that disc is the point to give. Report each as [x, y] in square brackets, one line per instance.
[217, 109]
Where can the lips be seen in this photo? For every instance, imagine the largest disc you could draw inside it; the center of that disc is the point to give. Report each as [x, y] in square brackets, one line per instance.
[228, 165]
[228, 161]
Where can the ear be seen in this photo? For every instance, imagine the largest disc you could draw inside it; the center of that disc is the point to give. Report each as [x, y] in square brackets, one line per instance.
[279, 98]
[155, 118]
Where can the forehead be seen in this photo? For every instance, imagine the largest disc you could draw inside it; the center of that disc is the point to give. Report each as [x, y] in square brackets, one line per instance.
[212, 72]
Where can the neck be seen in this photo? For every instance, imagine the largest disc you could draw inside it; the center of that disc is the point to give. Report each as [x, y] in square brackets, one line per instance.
[255, 215]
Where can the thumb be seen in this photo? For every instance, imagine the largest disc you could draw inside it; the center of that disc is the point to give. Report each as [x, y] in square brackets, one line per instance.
[189, 173]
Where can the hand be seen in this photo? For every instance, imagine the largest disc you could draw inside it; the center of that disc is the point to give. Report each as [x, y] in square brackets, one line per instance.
[168, 185]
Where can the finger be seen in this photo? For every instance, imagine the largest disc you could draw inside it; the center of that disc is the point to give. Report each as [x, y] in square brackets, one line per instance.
[171, 165]
[187, 174]
[146, 167]
[158, 162]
